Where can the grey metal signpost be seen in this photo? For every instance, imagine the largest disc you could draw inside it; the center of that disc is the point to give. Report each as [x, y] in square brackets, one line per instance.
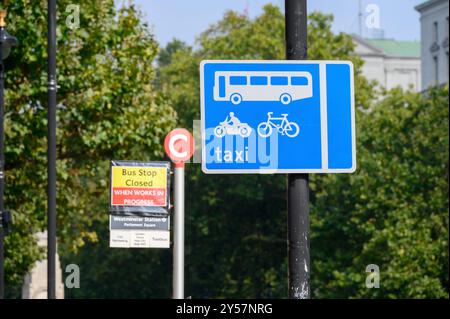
[179, 146]
[178, 236]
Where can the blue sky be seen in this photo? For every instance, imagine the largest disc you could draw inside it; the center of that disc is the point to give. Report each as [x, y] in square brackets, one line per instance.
[185, 19]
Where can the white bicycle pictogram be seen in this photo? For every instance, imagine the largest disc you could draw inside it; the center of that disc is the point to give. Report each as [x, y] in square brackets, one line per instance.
[285, 127]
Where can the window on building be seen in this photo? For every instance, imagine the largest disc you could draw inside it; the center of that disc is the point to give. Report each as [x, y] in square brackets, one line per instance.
[445, 44]
[436, 69]
[448, 66]
[435, 31]
[446, 27]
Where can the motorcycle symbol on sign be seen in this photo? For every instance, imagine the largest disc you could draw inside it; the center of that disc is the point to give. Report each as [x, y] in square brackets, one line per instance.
[232, 126]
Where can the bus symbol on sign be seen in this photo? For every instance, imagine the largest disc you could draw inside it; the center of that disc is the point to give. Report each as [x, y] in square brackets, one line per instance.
[262, 86]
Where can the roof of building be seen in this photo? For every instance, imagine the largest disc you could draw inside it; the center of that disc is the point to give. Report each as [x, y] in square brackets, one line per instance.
[396, 48]
[427, 4]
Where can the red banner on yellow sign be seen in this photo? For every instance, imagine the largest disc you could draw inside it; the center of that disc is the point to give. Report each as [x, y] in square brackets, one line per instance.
[139, 187]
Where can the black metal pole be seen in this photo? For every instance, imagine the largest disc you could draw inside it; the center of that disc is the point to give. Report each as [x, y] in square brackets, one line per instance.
[6, 42]
[2, 176]
[298, 184]
[51, 151]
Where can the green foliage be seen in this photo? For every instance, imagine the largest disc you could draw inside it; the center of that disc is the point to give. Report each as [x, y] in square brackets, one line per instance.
[107, 108]
[166, 54]
[394, 211]
[120, 273]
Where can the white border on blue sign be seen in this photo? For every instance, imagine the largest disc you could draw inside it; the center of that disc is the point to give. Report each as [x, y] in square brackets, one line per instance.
[321, 63]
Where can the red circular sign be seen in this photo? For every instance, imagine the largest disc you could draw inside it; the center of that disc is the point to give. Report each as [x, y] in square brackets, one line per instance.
[179, 145]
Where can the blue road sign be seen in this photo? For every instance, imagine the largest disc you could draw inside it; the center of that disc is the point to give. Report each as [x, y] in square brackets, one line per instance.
[277, 117]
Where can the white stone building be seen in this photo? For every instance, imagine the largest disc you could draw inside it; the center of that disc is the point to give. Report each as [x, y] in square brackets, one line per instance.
[434, 34]
[35, 283]
[392, 63]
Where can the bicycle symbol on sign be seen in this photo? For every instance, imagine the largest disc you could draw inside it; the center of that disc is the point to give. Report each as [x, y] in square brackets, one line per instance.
[285, 127]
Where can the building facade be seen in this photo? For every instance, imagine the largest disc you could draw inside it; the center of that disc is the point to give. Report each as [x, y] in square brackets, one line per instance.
[392, 63]
[434, 34]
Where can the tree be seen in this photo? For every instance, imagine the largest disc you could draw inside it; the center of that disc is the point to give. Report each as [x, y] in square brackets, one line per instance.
[165, 55]
[107, 110]
[394, 211]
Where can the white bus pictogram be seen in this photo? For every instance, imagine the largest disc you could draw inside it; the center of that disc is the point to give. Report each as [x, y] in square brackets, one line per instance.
[238, 86]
